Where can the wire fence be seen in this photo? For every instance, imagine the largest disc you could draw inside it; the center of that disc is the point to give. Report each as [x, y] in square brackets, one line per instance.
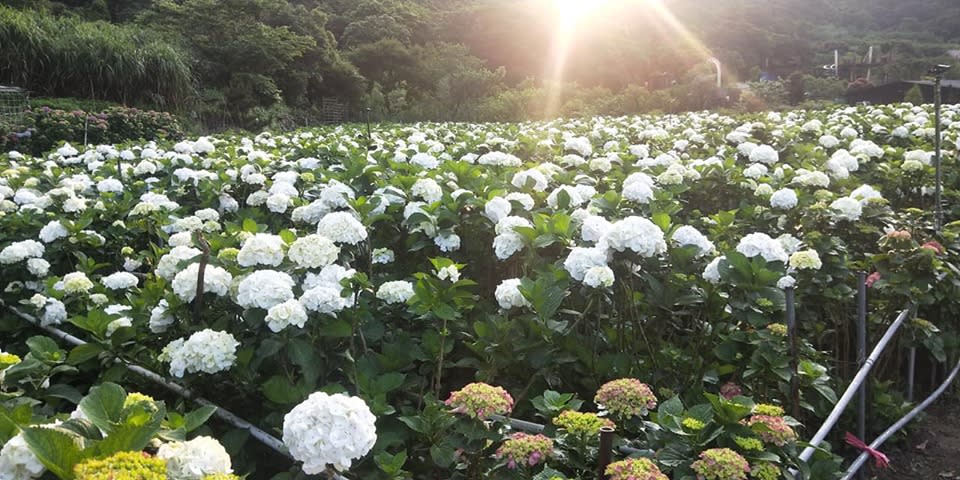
[14, 102]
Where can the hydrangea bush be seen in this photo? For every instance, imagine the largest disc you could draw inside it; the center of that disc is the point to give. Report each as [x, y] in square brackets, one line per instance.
[330, 277]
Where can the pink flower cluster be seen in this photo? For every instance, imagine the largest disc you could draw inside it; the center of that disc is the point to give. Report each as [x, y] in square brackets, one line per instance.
[776, 432]
[626, 397]
[480, 400]
[523, 449]
[634, 469]
[721, 464]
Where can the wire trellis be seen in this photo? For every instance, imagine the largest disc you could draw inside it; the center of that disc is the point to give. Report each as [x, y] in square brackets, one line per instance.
[13, 104]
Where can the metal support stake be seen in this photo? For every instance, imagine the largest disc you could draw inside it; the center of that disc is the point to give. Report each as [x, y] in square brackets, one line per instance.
[862, 357]
[606, 450]
[911, 370]
[794, 351]
[937, 72]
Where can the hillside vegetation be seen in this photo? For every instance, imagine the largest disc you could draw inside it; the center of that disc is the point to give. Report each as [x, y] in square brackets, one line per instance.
[261, 63]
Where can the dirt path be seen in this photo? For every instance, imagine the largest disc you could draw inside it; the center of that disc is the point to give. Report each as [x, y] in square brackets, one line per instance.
[932, 452]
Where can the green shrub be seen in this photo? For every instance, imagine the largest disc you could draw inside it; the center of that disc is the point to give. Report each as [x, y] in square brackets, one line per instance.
[44, 128]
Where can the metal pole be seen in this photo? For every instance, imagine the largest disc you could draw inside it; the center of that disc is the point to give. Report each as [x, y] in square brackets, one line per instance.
[938, 220]
[903, 421]
[854, 385]
[911, 370]
[606, 450]
[794, 351]
[862, 356]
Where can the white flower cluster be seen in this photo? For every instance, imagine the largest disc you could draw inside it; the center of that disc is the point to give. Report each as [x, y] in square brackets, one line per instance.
[264, 289]
[508, 242]
[398, 291]
[261, 249]
[508, 294]
[216, 280]
[687, 235]
[195, 459]
[638, 234]
[120, 281]
[17, 462]
[206, 351]
[784, 199]
[846, 208]
[19, 251]
[342, 227]
[761, 244]
[284, 314]
[329, 430]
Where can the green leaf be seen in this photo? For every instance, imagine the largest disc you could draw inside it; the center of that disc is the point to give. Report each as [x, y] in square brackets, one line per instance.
[443, 455]
[44, 348]
[336, 328]
[104, 405]
[661, 220]
[278, 389]
[57, 449]
[288, 236]
[82, 353]
[193, 420]
[391, 464]
[250, 225]
[136, 431]
[672, 407]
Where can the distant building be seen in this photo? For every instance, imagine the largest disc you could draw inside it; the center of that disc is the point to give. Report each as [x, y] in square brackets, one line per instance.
[895, 91]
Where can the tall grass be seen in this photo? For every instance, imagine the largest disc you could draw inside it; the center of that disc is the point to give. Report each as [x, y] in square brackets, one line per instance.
[68, 57]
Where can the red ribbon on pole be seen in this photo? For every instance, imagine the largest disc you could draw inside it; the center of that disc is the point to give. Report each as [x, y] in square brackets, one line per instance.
[881, 460]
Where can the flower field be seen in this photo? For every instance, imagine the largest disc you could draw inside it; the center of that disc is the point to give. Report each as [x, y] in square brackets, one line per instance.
[380, 303]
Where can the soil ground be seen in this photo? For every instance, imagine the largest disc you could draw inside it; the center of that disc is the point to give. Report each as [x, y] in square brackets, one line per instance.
[932, 452]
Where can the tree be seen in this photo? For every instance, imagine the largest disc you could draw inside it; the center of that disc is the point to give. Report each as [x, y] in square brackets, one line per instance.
[795, 87]
[914, 95]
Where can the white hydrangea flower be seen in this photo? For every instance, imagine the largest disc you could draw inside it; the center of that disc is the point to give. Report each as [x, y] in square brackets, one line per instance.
[450, 272]
[447, 242]
[789, 243]
[533, 177]
[599, 276]
[74, 282]
[167, 267]
[764, 154]
[17, 461]
[711, 272]
[261, 249]
[805, 260]
[637, 234]
[687, 235]
[313, 251]
[54, 313]
[215, 280]
[52, 231]
[784, 199]
[786, 282]
[382, 256]
[398, 291]
[865, 193]
[499, 159]
[264, 289]
[761, 244]
[195, 459]
[206, 351]
[278, 202]
[120, 281]
[507, 242]
[846, 208]
[524, 199]
[324, 298]
[508, 294]
[342, 227]
[428, 189]
[581, 259]
[287, 313]
[594, 228]
[329, 430]
[580, 145]
[638, 187]
[38, 267]
[19, 251]
[160, 317]
[497, 208]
